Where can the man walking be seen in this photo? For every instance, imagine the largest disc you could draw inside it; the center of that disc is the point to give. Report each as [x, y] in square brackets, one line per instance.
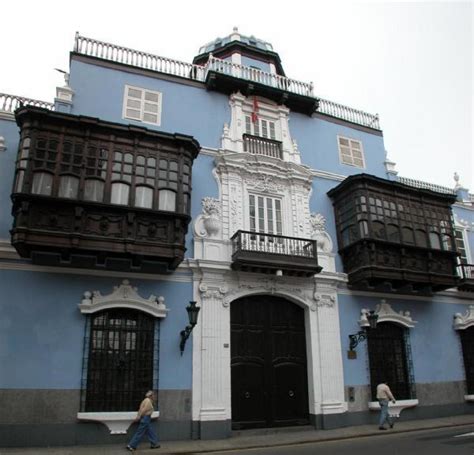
[144, 416]
[384, 395]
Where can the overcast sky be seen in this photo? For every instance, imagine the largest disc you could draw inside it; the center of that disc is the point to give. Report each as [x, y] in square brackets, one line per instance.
[410, 62]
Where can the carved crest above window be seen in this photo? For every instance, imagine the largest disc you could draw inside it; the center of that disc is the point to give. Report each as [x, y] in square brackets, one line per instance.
[123, 296]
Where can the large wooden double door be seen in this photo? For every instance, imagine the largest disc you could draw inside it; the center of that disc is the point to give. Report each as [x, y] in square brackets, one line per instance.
[268, 363]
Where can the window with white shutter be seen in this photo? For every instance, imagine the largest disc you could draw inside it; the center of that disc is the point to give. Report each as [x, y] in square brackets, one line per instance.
[351, 152]
[142, 105]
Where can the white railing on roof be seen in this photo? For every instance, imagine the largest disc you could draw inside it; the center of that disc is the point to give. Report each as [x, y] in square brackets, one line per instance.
[256, 75]
[9, 103]
[426, 185]
[132, 57]
[348, 113]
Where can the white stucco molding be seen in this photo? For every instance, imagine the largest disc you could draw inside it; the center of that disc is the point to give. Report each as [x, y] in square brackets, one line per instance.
[387, 314]
[394, 409]
[123, 296]
[462, 322]
[2, 144]
[116, 422]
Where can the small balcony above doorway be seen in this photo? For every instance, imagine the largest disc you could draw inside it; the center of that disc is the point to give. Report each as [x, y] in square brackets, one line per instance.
[274, 254]
[262, 146]
[466, 274]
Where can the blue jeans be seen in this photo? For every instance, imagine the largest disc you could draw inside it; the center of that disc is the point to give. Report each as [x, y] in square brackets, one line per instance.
[144, 427]
[384, 417]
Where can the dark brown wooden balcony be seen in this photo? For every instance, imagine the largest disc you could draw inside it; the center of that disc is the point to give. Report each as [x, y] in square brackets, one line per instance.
[95, 194]
[262, 146]
[393, 237]
[268, 253]
[466, 273]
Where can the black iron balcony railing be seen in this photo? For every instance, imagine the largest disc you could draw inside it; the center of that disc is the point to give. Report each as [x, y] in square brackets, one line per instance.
[268, 253]
[262, 146]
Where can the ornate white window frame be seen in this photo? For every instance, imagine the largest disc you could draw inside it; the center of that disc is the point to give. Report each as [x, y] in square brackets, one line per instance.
[123, 296]
[387, 314]
[241, 107]
[463, 322]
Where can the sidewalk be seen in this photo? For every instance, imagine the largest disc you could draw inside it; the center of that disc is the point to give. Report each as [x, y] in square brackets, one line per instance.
[256, 438]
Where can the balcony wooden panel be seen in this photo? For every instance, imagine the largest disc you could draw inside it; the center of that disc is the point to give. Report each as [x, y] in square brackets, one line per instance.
[393, 237]
[57, 224]
[466, 274]
[266, 253]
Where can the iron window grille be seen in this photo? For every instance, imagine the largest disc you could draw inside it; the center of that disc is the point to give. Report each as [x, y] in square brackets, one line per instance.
[121, 360]
[390, 360]
[467, 343]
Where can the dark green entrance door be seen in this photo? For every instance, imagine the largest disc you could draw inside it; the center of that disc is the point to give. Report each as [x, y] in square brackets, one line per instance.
[268, 363]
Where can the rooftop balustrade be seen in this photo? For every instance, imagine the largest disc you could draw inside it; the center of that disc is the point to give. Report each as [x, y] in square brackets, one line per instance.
[132, 57]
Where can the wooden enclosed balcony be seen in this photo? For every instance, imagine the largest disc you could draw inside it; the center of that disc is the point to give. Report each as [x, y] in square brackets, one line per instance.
[466, 274]
[96, 194]
[393, 237]
[274, 254]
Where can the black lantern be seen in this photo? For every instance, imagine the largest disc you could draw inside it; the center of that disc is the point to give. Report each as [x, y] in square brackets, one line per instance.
[193, 312]
[360, 336]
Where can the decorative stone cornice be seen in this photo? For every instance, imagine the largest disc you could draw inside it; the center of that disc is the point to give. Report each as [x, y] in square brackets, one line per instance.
[387, 314]
[123, 296]
[463, 322]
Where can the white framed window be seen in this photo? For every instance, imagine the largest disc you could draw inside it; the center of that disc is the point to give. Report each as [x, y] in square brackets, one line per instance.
[265, 214]
[351, 151]
[142, 105]
[461, 246]
[261, 127]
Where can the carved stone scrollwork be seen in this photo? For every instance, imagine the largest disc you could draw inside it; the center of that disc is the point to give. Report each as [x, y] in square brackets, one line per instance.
[462, 322]
[208, 224]
[264, 184]
[123, 296]
[386, 314]
[213, 292]
[2, 144]
[318, 232]
[323, 300]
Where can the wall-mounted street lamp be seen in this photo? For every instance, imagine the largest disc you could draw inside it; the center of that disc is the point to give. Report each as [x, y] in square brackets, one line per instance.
[193, 312]
[361, 335]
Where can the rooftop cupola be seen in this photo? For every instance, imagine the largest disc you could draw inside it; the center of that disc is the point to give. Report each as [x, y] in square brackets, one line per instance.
[242, 50]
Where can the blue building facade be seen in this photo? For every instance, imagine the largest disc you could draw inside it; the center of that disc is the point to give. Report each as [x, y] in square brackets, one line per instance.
[295, 231]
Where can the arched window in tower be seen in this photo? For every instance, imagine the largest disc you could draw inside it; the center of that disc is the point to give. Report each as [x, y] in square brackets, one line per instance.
[390, 360]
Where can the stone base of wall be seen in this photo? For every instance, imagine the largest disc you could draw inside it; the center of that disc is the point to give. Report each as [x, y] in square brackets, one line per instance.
[49, 418]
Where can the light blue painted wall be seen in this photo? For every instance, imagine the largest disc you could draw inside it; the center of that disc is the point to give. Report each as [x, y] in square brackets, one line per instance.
[437, 357]
[10, 132]
[321, 203]
[248, 61]
[42, 329]
[317, 142]
[99, 91]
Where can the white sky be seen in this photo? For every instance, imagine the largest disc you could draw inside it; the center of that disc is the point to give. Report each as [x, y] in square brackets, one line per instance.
[410, 62]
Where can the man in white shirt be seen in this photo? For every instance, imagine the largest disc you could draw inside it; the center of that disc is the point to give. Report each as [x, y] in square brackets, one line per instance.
[384, 395]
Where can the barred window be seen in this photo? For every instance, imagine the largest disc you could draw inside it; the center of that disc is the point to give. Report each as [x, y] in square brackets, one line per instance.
[121, 350]
[390, 360]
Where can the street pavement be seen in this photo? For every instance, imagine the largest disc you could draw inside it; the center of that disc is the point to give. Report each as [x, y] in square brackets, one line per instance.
[289, 441]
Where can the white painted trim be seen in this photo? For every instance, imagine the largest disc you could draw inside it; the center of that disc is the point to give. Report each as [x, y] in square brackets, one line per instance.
[462, 322]
[123, 296]
[116, 422]
[394, 410]
[3, 147]
[469, 397]
[7, 116]
[387, 314]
